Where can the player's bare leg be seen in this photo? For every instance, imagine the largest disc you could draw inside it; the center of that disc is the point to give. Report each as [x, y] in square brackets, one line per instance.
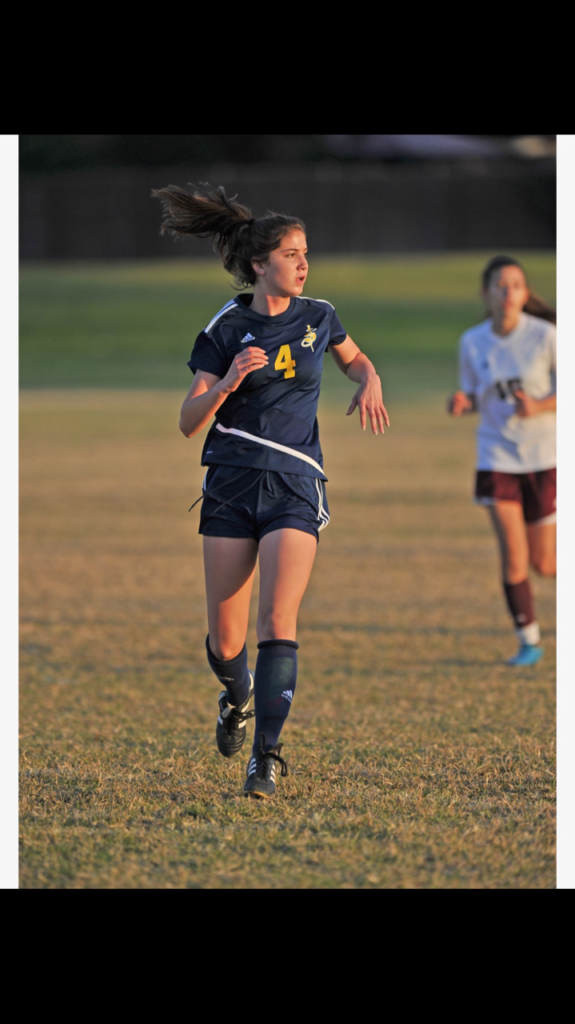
[286, 561]
[229, 565]
[542, 538]
[510, 530]
[512, 536]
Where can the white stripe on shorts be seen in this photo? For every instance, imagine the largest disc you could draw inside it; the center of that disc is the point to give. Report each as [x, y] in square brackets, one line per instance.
[491, 502]
[546, 519]
[322, 514]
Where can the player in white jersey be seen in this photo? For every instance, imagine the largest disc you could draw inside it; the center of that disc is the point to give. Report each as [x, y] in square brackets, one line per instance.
[507, 370]
[257, 367]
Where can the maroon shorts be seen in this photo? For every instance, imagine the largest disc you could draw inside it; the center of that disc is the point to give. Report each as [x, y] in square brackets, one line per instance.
[535, 492]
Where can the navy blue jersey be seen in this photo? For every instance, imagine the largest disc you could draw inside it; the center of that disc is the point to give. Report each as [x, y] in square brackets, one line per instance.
[270, 421]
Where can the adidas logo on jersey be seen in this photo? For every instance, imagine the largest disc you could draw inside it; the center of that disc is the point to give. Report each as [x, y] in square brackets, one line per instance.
[288, 694]
[248, 337]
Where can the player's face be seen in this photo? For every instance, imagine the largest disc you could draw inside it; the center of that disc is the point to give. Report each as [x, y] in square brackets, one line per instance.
[506, 293]
[286, 270]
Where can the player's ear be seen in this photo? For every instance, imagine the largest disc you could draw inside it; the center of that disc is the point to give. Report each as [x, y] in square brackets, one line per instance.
[259, 268]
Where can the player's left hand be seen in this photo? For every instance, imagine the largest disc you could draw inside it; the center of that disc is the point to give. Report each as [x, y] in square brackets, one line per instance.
[369, 400]
[524, 404]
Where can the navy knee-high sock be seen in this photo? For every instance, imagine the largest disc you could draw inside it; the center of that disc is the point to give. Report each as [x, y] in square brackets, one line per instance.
[275, 679]
[233, 674]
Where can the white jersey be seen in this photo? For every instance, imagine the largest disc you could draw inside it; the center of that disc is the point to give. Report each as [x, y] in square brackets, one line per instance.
[492, 368]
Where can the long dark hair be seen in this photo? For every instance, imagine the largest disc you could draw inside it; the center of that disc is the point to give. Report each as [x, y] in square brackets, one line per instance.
[535, 305]
[236, 235]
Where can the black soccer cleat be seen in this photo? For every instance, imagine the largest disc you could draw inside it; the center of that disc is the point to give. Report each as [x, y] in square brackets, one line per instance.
[231, 724]
[261, 771]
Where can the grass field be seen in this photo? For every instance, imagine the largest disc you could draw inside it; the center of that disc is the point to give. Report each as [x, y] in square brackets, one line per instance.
[417, 760]
[133, 325]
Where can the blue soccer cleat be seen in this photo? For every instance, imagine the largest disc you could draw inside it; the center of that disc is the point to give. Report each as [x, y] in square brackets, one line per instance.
[528, 654]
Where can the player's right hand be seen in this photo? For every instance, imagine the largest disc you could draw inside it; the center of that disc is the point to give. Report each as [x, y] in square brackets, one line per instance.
[245, 362]
[459, 403]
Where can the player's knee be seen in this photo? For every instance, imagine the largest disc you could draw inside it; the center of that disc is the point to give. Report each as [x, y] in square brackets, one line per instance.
[225, 648]
[544, 565]
[515, 570]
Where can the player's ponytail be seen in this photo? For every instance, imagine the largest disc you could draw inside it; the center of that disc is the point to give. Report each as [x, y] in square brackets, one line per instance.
[236, 235]
[535, 305]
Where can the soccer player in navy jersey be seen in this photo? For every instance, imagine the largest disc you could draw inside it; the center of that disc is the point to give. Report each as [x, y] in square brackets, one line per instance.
[508, 374]
[257, 372]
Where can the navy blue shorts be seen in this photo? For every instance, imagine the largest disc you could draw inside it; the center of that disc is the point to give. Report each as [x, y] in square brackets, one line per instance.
[252, 502]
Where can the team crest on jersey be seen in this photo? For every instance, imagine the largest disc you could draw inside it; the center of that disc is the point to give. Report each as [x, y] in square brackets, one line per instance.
[309, 338]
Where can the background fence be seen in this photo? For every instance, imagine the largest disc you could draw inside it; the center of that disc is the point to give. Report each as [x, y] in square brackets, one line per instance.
[365, 207]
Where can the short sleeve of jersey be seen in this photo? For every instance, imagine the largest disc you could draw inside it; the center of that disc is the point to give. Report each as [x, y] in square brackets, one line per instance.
[209, 354]
[337, 332]
[467, 378]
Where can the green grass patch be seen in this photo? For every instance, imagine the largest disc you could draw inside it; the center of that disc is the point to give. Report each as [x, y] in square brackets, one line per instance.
[125, 325]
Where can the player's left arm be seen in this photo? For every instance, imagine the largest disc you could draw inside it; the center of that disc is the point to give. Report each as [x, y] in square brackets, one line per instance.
[368, 397]
[525, 405]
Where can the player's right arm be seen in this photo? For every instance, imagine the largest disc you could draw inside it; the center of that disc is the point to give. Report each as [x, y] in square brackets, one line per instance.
[464, 401]
[460, 403]
[208, 392]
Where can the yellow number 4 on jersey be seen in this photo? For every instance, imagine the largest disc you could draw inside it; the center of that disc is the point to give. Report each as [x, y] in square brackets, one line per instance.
[285, 362]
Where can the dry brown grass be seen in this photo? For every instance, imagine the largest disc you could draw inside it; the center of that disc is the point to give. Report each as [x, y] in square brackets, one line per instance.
[417, 759]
